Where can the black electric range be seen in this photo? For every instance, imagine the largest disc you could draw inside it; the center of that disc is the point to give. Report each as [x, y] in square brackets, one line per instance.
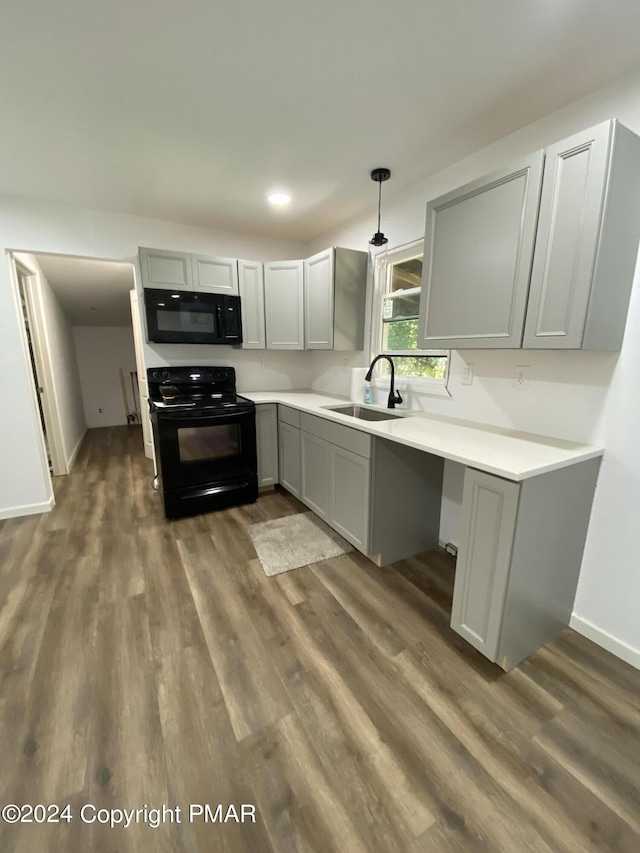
[205, 439]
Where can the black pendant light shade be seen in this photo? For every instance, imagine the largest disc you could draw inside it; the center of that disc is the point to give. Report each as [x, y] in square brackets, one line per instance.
[379, 175]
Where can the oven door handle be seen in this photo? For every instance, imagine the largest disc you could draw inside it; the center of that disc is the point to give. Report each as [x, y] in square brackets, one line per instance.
[210, 417]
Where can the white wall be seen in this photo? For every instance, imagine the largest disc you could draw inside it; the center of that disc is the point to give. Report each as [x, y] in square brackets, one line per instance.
[101, 351]
[39, 227]
[590, 397]
[56, 339]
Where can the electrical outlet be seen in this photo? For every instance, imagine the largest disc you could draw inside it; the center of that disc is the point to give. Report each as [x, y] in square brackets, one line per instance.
[521, 379]
[467, 375]
[100, 411]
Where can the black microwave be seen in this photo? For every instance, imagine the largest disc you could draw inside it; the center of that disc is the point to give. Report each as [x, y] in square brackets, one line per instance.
[187, 317]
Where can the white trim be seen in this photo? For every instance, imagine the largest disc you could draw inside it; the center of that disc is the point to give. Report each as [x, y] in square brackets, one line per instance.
[28, 509]
[606, 641]
[72, 458]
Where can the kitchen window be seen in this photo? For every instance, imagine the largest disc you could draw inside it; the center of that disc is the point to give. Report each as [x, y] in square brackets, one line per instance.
[398, 277]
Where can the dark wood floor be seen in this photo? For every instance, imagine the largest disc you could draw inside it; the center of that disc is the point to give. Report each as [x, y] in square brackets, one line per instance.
[152, 663]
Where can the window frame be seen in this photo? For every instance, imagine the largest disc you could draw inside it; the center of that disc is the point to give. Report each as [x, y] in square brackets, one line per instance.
[417, 384]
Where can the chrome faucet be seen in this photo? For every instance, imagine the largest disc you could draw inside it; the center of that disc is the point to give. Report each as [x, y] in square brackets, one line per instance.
[394, 396]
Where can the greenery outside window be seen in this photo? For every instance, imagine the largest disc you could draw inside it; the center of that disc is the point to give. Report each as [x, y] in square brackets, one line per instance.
[398, 278]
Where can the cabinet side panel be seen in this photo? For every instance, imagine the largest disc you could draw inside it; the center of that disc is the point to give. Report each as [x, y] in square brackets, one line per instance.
[551, 529]
[618, 248]
[350, 294]
[406, 501]
[489, 507]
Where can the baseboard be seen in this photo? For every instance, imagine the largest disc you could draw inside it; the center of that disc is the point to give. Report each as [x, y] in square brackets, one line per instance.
[28, 509]
[605, 640]
[72, 458]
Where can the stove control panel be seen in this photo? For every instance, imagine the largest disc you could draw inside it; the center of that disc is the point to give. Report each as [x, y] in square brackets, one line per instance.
[192, 375]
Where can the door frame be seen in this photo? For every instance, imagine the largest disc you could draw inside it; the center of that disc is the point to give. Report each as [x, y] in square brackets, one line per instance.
[25, 283]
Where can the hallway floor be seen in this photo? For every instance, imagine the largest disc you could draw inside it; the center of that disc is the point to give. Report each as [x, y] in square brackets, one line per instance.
[146, 662]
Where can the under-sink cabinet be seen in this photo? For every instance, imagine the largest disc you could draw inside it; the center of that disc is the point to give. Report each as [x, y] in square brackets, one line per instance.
[540, 254]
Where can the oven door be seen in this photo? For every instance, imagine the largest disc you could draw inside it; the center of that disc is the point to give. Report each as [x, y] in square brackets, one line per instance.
[205, 449]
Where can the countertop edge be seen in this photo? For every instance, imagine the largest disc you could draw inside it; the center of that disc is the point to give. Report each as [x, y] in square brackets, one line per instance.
[580, 452]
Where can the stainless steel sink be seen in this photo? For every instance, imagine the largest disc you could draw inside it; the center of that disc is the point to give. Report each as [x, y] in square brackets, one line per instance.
[364, 413]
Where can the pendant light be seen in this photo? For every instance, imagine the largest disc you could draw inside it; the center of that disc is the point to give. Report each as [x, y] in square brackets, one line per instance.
[379, 175]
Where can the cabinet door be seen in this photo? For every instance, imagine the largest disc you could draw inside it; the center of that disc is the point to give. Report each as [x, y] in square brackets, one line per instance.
[166, 270]
[289, 457]
[318, 300]
[573, 195]
[267, 443]
[284, 302]
[477, 260]
[315, 489]
[349, 501]
[215, 275]
[489, 507]
[251, 284]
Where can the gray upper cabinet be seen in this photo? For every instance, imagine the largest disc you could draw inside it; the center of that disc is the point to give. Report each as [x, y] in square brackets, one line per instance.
[335, 292]
[587, 241]
[166, 270]
[284, 304]
[485, 285]
[215, 275]
[251, 285]
[479, 243]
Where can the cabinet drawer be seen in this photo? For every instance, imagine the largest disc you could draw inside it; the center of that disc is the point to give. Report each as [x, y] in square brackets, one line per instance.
[289, 415]
[342, 436]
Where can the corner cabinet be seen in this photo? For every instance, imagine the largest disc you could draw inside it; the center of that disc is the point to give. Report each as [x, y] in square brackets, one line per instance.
[519, 558]
[284, 304]
[334, 303]
[485, 284]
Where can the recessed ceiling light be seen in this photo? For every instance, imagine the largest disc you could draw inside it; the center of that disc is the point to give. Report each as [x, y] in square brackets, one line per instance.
[279, 197]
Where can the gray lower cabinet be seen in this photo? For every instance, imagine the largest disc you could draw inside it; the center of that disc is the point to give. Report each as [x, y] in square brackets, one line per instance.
[519, 559]
[336, 474]
[289, 449]
[267, 443]
[316, 476]
[350, 477]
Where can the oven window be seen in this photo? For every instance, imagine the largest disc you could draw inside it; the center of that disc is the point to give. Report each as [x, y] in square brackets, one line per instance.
[184, 321]
[205, 443]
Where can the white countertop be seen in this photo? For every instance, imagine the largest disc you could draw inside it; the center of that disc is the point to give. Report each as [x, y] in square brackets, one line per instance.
[506, 453]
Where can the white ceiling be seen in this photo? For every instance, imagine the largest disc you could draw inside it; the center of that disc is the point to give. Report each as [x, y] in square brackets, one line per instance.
[91, 293]
[191, 111]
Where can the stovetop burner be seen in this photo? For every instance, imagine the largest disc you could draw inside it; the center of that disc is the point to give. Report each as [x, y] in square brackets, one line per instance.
[201, 388]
